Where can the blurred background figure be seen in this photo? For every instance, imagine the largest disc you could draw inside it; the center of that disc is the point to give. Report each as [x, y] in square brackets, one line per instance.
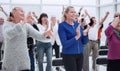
[30, 41]
[56, 44]
[3, 18]
[44, 46]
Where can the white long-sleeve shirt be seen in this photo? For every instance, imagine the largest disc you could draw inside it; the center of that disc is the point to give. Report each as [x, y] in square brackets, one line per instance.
[56, 36]
[42, 30]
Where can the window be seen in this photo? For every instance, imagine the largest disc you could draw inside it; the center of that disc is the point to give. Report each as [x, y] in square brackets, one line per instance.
[83, 2]
[103, 11]
[60, 2]
[118, 8]
[4, 1]
[29, 8]
[103, 2]
[53, 11]
[26, 1]
[118, 0]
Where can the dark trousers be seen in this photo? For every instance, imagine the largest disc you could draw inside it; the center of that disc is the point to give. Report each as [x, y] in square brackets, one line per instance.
[31, 55]
[98, 43]
[57, 50]
[0, 51]
[113, 65]
[73, 62]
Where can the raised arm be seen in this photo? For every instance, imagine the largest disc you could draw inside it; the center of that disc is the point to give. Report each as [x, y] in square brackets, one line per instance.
[79, 13]
[63, 10]
[109, 31]
[87, 14]
[104, 18]
[36, 34]
[3, 11]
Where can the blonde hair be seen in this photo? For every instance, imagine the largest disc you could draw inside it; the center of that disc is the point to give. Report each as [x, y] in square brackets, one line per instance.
[66, 11]
[11, 16]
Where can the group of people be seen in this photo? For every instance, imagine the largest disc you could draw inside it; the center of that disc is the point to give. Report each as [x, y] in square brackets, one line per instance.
[20, 34]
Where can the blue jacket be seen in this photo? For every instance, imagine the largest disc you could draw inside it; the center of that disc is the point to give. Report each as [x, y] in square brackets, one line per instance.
[67, 35]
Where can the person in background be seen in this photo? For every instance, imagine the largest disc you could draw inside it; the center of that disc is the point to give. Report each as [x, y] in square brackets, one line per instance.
[77, 15]
[3, 17]
[44, 46]
[30, 41]
[86, 52]
[100, 28]
[15, 32]
[72, 40]
[56, 40]
[113, 37]
[1, 36]
[93, 38]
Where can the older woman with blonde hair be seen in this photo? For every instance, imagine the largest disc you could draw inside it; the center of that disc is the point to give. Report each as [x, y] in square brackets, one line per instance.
[72, 40]
[15, 31]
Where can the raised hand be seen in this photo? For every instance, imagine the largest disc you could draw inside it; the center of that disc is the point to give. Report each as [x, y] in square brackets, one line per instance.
[48, 33]
[107, 13]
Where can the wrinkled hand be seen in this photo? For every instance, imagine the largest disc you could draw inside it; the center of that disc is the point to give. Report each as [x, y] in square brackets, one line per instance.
[48, 33]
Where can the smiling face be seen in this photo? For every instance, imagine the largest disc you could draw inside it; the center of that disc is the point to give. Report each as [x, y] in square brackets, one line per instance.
[70, 13]
[44, 20]
[18, 13]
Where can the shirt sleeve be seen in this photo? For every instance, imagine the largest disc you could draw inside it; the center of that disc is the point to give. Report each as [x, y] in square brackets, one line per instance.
[109, 31]
[10, 32]
[34, 33]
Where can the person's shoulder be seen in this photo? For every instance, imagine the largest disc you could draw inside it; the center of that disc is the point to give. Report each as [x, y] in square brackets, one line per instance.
[27, 25]
[7, 23]
[62, 23]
